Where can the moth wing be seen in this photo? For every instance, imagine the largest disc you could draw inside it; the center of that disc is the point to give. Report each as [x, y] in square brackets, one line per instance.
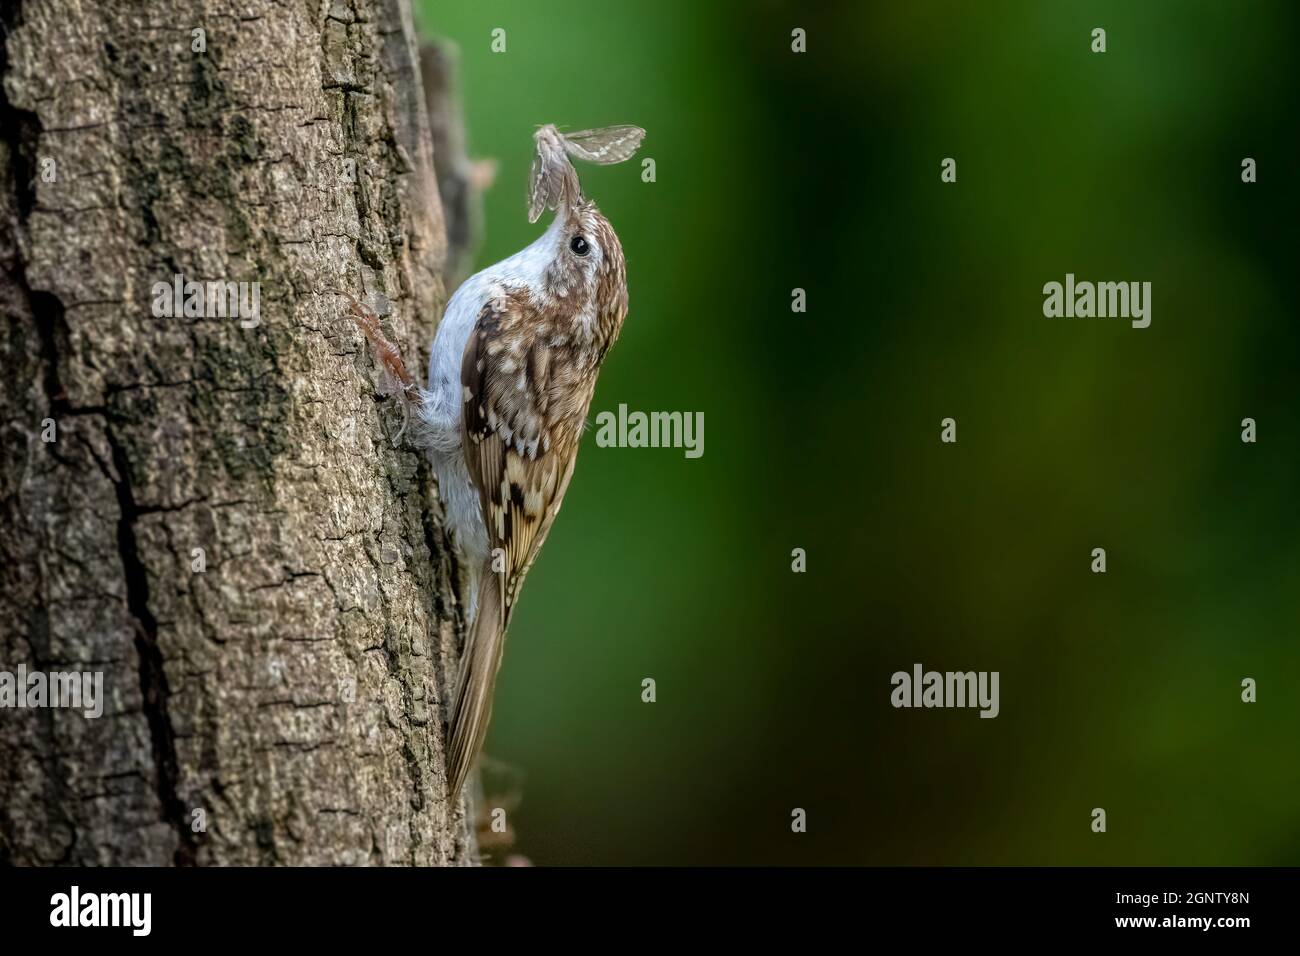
[605, 146]
[552, 180]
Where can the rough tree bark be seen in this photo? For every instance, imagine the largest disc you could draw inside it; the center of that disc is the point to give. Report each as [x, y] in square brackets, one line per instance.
[294, 690]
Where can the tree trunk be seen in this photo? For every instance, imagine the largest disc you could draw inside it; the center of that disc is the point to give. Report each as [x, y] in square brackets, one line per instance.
[222, 524]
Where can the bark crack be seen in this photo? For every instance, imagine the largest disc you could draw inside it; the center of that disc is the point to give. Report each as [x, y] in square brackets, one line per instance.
[154, 690]
[19, 128]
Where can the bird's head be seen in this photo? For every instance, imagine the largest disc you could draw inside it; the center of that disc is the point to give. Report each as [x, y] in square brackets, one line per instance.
[587, 268]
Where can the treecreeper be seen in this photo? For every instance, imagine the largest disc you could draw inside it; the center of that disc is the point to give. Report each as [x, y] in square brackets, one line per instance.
[511, 377]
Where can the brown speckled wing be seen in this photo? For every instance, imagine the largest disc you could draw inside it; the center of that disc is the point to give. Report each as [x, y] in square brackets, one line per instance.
[522, 430]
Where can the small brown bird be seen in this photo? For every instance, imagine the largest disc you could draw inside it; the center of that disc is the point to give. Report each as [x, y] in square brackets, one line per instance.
[511, 376]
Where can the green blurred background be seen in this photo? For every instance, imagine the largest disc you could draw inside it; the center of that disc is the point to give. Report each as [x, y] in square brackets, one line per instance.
[821, 171]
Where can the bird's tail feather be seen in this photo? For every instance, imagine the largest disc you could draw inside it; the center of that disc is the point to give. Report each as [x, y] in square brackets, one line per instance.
[478, 674]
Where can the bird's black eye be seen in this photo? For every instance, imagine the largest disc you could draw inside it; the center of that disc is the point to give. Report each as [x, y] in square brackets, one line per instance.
[579, 246]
